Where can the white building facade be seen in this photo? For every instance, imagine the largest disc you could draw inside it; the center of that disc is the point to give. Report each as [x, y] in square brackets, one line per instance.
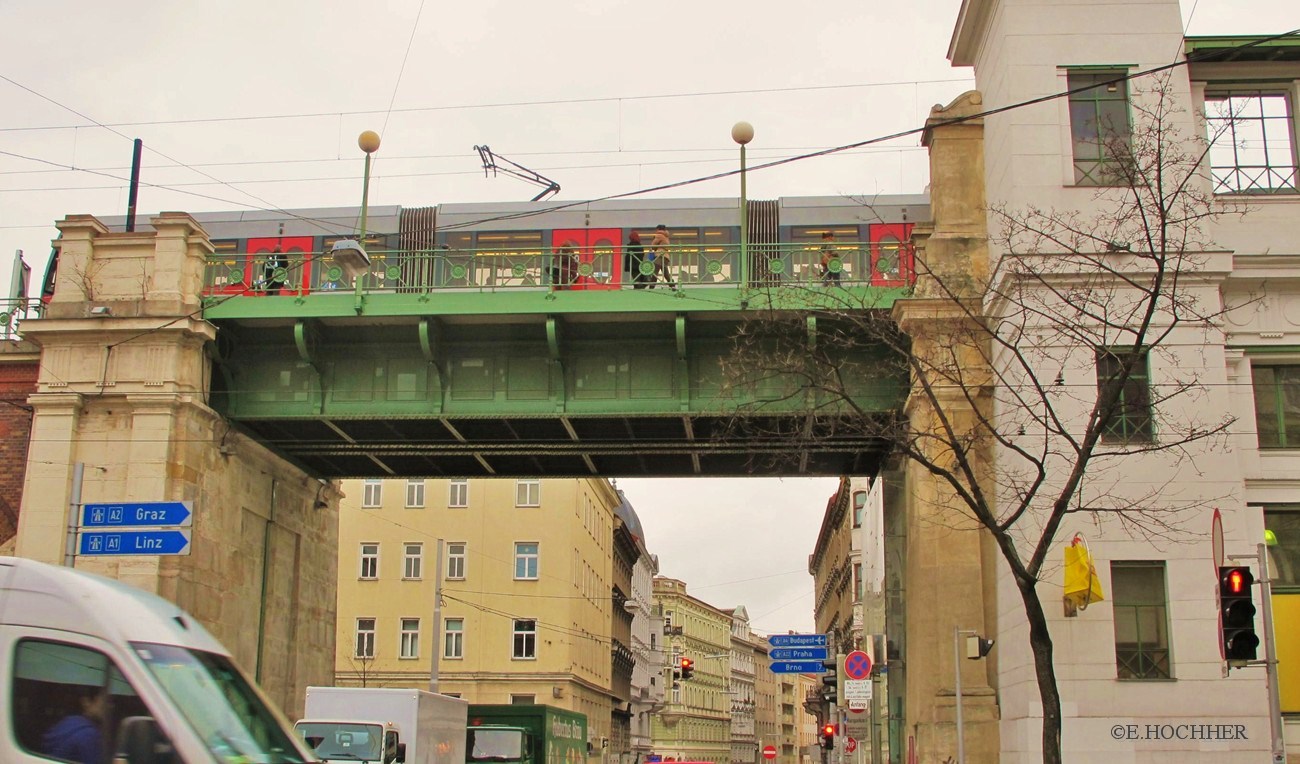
[1140, 673]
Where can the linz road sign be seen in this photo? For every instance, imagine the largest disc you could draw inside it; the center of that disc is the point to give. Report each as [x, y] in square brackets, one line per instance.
[799, 653]
[797, 667]
[114, 543]
[138, 514]
[857, 665]
[798, 640]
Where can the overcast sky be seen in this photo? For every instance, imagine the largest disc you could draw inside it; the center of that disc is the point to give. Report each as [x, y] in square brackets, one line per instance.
[258, 104]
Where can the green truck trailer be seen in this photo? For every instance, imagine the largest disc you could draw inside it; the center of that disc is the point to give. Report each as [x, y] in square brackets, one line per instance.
[525, 734]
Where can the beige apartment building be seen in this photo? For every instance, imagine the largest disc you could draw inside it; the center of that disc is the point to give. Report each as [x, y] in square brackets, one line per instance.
[527, 577]
[695, 723]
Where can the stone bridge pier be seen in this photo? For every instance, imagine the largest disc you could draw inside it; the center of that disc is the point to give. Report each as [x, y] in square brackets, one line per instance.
[123, 390]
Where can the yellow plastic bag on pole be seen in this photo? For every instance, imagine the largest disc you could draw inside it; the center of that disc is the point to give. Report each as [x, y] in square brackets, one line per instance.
[1082, 587]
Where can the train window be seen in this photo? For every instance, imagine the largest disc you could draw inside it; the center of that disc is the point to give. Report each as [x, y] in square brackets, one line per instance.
[813, 233]
[508, 258]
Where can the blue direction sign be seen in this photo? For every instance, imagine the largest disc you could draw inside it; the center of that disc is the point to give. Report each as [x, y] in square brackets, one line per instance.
[799, 653]
[798, 640]
[106, 543]
[123, 514]
[797, 667]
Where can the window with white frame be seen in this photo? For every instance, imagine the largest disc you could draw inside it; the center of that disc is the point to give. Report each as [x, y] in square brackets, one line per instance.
[456, 560]
[453, 640]
[525, 639]
[409, 647]
[369, 562]
[859, 501]
[365, 645]
[526, 556]
[415, 493]
[372, 493]
[1252, 141]
[528, 493]
[458, 493]
[413, 560]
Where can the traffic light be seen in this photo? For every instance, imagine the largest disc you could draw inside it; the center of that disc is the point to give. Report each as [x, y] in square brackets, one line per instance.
[687, 668]
[1237, 614]
[828, 736]
[833, 679]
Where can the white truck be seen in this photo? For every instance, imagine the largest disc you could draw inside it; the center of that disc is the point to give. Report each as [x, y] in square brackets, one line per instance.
[384, 725]
[92, 669]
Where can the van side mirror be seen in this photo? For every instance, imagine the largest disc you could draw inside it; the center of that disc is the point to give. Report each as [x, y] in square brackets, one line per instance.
[140, 741]
[401, 753]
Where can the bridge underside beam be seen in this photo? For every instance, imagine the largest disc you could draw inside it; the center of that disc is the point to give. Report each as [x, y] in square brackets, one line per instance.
[535, 395]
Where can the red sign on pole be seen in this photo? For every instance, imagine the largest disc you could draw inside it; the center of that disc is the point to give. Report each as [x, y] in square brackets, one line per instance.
[769, 752]
[857, 665]
[851, 745]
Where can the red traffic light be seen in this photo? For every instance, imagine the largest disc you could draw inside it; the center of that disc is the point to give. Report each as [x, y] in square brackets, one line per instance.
[687, 663]
[828, 730]
[1236, 581]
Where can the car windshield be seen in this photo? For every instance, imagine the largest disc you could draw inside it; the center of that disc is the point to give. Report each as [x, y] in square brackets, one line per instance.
[342, 741]
[221, 706]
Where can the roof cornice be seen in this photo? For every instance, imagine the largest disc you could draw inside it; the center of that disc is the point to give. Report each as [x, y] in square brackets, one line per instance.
[968, 34]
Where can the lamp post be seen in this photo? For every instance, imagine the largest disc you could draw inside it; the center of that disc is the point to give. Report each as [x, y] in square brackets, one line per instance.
[743, 133]
[977, 648]
[349, 254]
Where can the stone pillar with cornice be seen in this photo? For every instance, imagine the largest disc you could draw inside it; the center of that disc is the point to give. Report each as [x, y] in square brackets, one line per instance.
[123, 389]
[947, 560]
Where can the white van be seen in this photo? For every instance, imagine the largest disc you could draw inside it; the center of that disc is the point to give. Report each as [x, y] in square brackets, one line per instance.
[95, 671]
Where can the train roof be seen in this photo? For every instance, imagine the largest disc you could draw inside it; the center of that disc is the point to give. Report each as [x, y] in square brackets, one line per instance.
[64, 599]
[633, 212]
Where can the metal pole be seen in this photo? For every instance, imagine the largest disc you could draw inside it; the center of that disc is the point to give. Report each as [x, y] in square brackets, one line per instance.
[74, 516]
[875, 719]
[361, 238]
[134, 192]
[744, 223]
[956, 667]
[1270, 659]
[436, 653]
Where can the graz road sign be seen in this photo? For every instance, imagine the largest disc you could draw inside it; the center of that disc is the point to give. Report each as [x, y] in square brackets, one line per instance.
[104, 543]
[173, 514]
[798, 640]
[799, 653]
[797, 667]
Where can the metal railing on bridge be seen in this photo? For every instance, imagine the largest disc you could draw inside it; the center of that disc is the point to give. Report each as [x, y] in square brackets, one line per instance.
[13, 311]
[687, 267]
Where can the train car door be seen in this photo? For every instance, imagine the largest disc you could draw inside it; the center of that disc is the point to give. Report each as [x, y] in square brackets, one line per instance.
[288, 274]
[891, 254]
[600, 249]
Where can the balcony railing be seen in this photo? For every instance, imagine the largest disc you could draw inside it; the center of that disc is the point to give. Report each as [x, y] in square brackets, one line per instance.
[13, 311]
[595, 268]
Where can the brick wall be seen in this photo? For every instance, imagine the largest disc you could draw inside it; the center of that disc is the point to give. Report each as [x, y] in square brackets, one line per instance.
[17, 381]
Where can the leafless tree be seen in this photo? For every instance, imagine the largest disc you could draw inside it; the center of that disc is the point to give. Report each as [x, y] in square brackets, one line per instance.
[1042, 368]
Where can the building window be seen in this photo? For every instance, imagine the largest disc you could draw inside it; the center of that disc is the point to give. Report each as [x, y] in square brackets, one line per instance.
[1141, 620]
[456, 560]
[1277, 405]
[1131, 420]
[415, 493]
[1284, 556]
[458, 493]
[523, 700]
[410, 643]
[1099, 126]
[372, 493]
[859, 501]
[365, 638]
[413, 561]
[453, 640]
[1252, 148]
[525, 639]
[369, 562]
[528, 493]
[526, 554]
